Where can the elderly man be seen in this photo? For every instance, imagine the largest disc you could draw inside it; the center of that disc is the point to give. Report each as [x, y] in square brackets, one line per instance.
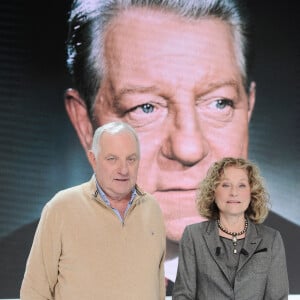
[103, 239]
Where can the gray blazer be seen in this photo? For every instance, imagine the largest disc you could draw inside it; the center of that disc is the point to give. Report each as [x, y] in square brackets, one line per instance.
[202, 272]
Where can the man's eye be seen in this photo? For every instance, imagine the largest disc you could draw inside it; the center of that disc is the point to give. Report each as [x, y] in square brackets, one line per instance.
[145, 114]
[146, 108]
[132, 159]
[222, 103]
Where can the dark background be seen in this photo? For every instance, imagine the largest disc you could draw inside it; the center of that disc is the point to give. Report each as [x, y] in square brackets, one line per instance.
[40, 152]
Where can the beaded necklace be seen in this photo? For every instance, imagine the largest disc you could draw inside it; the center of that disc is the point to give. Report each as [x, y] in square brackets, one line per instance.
[233, 234]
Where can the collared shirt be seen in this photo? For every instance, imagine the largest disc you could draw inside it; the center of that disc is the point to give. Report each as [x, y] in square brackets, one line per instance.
[107, 202]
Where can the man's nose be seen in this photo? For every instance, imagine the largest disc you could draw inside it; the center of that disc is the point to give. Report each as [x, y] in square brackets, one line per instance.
[123, 167]
[185, 141]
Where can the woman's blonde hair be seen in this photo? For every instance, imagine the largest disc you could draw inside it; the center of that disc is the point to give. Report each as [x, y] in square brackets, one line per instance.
[259, 204]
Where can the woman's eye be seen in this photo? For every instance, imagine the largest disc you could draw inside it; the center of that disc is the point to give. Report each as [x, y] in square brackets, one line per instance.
[222, 103]
[225, 185]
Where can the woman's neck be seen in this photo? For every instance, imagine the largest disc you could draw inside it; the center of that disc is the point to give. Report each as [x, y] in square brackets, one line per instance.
[232, 225]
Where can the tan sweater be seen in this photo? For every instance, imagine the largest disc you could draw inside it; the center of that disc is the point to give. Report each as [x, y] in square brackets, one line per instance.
[81, 250]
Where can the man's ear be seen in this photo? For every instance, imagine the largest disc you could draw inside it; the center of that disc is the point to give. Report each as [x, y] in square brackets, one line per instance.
[92, 159]
[251, 99]
[79, 117]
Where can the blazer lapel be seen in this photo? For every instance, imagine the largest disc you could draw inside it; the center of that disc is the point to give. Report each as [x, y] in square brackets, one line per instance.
[252, 240]
[214, 246]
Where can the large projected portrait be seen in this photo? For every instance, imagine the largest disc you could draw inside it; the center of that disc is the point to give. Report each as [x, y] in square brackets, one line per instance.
[198, 81]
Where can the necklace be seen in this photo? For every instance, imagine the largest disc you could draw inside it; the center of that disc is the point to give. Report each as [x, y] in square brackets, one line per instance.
[234, 234]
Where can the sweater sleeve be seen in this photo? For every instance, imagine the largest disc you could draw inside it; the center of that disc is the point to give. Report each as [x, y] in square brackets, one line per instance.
[41, 270]
[162, 283]
[277, 284]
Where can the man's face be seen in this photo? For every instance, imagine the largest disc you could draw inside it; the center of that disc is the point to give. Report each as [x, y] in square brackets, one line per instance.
[178, 84]
[116, 164]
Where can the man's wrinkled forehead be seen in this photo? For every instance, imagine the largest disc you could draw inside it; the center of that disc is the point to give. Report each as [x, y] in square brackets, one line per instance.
[154, 20]
[133, 41]
[136, 25]
[153, 16]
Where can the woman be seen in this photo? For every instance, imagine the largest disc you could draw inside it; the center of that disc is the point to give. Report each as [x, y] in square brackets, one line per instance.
[232, 255]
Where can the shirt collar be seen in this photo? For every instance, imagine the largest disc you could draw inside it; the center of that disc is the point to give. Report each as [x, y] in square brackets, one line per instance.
[104, 197]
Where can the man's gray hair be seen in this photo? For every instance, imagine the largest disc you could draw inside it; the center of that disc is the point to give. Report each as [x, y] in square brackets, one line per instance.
[88, 21]
[112, 128]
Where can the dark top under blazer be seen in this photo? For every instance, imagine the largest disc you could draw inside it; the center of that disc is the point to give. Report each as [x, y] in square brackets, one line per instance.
[202, 271]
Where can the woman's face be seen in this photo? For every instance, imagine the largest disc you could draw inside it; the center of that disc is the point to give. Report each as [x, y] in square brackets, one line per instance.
[233, 194]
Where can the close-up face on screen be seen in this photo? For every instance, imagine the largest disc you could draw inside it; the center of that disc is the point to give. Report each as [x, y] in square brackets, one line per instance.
[195, 87]
[179, 85]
